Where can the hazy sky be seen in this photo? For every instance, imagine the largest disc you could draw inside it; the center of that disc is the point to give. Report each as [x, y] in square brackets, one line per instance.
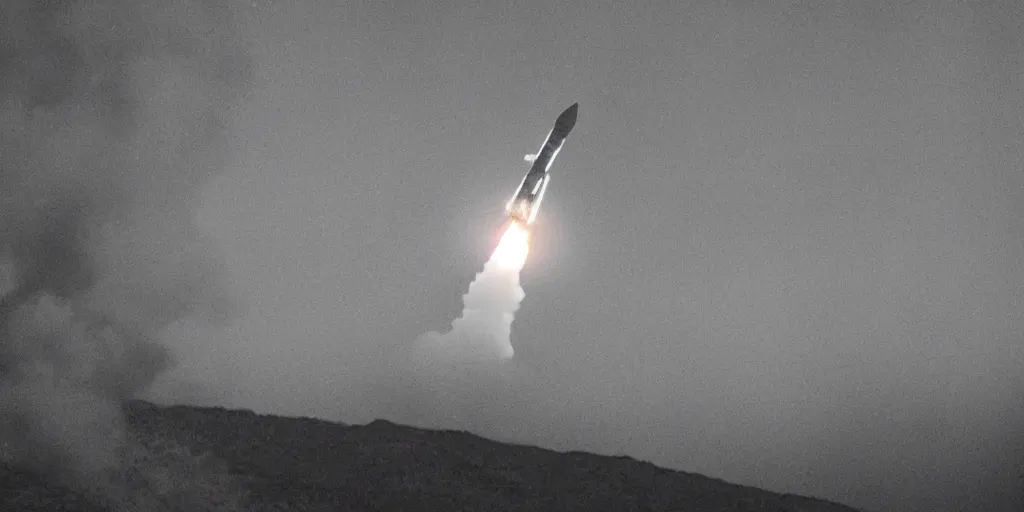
[782, 246]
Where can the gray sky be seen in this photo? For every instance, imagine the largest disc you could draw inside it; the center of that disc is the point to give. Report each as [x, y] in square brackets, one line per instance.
[782, 246]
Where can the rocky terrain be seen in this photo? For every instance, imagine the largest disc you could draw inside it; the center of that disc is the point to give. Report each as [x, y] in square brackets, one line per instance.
[191, 458]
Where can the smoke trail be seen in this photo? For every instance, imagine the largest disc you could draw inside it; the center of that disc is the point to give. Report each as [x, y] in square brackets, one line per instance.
[114, 112]
[446, 380]
[483, 332]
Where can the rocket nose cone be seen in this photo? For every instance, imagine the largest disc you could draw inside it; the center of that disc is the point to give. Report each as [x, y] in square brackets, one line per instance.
[567, 119]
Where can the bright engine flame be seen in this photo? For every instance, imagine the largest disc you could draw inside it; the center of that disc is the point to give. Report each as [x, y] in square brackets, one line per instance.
[513, 247]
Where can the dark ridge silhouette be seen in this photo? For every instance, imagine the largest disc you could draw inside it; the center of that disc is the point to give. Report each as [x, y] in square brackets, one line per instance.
[203, 458]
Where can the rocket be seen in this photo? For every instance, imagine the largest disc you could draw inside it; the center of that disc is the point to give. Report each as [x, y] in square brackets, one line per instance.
[523, 205]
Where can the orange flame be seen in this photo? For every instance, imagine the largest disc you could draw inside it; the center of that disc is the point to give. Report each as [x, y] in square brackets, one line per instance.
[513, 247]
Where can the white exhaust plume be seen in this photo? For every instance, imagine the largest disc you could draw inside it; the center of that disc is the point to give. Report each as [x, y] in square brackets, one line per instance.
[452, 380]
[483, 332]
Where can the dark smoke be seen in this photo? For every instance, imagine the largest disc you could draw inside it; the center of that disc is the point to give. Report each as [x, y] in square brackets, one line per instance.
[114, 115]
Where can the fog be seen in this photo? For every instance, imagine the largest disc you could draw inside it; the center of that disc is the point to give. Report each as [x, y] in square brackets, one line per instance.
[781, 247]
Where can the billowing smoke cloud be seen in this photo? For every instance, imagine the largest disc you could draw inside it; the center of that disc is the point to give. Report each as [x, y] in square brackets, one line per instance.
[114, 116]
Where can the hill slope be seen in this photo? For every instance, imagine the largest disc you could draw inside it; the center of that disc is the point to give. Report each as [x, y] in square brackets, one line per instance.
[191, 458]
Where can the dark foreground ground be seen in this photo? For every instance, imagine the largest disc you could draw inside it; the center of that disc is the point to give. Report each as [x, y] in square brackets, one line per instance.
[189, 458]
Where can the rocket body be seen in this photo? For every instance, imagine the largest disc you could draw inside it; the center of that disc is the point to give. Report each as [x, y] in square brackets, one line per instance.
[523, 205]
